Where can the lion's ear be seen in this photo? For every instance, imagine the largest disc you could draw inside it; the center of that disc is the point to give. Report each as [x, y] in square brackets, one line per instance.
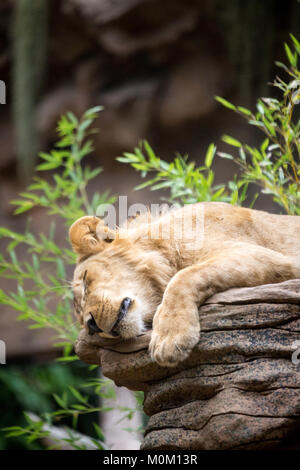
[89, 235]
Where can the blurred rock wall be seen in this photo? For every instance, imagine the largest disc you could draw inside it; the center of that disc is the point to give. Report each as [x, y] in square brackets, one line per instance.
[155, 66]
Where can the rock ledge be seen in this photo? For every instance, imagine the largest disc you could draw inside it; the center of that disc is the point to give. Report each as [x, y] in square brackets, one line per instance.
[239, 389]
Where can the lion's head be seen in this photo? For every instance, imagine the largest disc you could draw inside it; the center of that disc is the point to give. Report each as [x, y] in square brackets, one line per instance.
[116, 288]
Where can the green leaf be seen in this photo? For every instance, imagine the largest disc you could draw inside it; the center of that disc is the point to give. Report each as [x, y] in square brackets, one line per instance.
[231, 141]
[291, 57]
[242, 154]
[150, 152]
[61, 401]
[260, 108]
[225, 103]
[225, 155]
[78, 395]
[24, 206]
[264, 145]
[218, 194]
[144, 185]
[60, 269]
[72, 118]
[281, 175]
[296, 43]
[210, 155]
[165, 165]
[245, 111]
[164, 184]
[84, 125]
[283, 66]
[93, 111]
[67, 359]
[48, 166]
[79, 407]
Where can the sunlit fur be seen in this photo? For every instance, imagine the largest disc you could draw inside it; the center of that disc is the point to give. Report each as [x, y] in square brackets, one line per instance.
[166, 280]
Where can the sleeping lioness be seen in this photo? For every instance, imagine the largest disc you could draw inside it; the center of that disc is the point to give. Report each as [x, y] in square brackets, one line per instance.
[128, 279]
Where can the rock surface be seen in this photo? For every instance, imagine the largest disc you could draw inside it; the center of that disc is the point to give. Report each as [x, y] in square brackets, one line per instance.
[239, 389]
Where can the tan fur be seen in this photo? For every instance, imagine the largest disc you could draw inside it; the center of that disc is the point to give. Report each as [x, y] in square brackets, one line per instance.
[166, 279]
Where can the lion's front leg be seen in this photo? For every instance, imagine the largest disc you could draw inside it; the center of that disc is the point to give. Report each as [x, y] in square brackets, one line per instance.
[176, 327]
[176, 330]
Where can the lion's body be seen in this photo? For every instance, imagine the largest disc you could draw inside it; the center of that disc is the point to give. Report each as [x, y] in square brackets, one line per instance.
[170, 264]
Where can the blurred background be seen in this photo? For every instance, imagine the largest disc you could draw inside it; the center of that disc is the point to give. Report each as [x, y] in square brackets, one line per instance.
[156, 68]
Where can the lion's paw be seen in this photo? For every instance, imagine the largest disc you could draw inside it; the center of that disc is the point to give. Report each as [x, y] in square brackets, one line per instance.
[171, 349]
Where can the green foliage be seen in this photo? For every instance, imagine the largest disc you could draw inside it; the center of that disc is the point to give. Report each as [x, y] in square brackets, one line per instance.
[71, 401]
[65, 404]
[48, 300]
[66, 194]
[31, 387]
[274, 166]
[186, 182]
[43, 294]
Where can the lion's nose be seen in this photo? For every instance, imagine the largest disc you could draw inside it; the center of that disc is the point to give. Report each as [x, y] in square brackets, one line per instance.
[123, 310]
[92, 326]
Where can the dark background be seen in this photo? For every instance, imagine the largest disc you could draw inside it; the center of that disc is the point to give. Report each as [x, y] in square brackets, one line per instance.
[155, 66]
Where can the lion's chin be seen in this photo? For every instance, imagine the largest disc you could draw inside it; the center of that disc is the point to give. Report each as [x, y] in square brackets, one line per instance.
[131, 330]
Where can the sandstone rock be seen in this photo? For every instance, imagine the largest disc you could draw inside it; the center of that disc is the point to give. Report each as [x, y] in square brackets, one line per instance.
[239, 389]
